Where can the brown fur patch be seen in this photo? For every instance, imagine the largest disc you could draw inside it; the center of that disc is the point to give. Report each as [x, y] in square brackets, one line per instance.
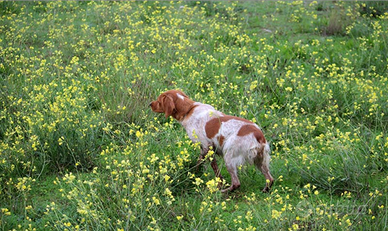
[183, 109]
[168, 105]
[213, 126]
[221, 140]
[172, 105]
[190, 112]
[250, 128]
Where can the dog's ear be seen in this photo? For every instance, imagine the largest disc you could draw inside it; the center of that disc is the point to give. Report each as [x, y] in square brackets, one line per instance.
[168, 105]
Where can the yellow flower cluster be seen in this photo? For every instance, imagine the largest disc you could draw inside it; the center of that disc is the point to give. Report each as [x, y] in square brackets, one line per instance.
[77, 78]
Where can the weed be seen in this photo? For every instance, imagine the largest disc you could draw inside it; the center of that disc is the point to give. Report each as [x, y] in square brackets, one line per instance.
[81, 150]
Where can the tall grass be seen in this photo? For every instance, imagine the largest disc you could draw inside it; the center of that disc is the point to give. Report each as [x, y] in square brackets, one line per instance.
[81, 150]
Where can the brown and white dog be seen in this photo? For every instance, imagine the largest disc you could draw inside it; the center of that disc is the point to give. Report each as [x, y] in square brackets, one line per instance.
[237, 139]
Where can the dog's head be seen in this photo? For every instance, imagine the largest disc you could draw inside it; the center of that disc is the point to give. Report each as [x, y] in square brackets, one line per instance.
[173, 103]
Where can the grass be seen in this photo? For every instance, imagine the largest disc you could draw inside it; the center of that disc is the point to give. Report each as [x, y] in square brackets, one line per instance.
[81, 150]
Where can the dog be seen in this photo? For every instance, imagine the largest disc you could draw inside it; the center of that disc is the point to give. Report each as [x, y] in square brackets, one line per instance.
[236, 139]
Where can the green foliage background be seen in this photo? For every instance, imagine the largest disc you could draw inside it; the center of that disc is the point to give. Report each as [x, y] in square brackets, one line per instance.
[80, 149]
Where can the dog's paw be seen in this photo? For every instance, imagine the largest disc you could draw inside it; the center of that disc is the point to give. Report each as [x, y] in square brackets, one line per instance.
[266, 190]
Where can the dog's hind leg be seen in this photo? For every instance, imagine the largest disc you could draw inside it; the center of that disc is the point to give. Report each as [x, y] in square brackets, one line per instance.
[262, 162]
[269, 179]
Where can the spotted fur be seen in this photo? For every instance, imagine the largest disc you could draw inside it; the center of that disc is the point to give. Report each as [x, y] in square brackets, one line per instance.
[238, 140]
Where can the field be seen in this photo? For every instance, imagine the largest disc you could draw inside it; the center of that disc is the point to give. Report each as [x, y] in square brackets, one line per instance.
[80, 148]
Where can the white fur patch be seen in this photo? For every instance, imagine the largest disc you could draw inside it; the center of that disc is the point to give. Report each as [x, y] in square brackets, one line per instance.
[180, 96]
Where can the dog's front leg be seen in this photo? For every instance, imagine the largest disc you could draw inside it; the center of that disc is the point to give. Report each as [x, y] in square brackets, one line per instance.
[204, 151]
[217, 171]
[213, 163]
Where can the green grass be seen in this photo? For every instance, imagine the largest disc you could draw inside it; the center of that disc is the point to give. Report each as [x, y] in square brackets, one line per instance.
[80, 148]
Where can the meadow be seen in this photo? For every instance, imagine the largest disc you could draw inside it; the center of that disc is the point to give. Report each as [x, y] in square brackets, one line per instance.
[80, 148]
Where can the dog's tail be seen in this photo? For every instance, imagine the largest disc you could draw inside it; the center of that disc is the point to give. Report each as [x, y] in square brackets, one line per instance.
[263, 149]
[261, 154]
